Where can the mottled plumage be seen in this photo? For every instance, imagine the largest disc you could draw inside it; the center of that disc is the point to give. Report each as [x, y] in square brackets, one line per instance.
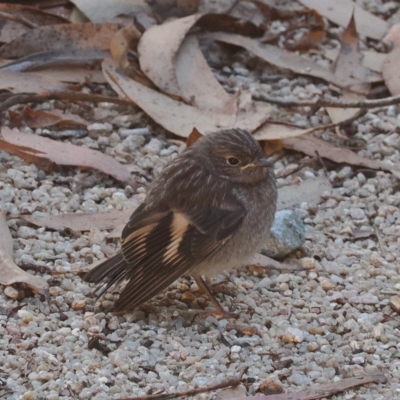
[208, 211]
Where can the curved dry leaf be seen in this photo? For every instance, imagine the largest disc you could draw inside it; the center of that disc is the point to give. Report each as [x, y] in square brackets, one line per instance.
[10, 273]
[157, 51]
[17, 82]
[348, 65]
[197, 83]
[67, 37]
[46, 152]
[282, 58]
[83, 222]
[173, 115]
[310, 145]
[391, 71]
[29, 16]
[56, 58]
[44, 119]
[121, 43]
[339, 12]
[105, 10]
[273, 131]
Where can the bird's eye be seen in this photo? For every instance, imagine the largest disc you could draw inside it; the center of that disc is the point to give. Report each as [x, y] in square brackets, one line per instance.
[233, 161]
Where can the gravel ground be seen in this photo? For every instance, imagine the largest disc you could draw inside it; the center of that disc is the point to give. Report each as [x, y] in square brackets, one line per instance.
[294, 330]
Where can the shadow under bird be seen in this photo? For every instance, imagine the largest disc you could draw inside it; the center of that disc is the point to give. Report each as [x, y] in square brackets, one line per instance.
[209, 211]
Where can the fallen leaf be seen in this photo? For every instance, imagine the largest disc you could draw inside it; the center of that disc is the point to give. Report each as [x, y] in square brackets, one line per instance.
[347, 66]
[275, 131]
[29, 16]
[197, 83]
[311, 39]
[46, 152]
[391, 71]
[339, 12]
[121, 43]
[174, 115]
[10, 30]
[157, 51]
[27, 82]
[10, 273]
[56, 58]
[72, 74]
[43, 119]
[371, 60]
[309, 145]
[66, 37]
[193, 137]
[83, 222]
[282, 58]
[105, 10]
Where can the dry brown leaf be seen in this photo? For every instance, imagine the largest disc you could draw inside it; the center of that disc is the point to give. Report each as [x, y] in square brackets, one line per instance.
[57, 58]
[311, 39]
[72, 74]
[372, 60]
[310, 145]
[282, 58]
[65, 37]
[193, 137]
[46, 152]
[391, 71]
[121, 43]
[339, 12]
[43, 119]
[197, 83]
[11, 30]
[271, 146]
[157, 51]
[348, 65]
[17, 82]
[10, 273]
[83, 222]
[173, 115]
[106, 10]
[29, 16]
[324, 391]
[274, 131]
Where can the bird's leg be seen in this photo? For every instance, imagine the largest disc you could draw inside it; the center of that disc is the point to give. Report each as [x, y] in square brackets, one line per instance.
[203, 287]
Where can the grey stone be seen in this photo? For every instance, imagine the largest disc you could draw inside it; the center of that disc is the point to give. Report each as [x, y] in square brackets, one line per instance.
[288, 233]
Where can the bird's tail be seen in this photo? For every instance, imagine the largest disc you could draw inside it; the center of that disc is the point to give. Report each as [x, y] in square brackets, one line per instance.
[107, 273]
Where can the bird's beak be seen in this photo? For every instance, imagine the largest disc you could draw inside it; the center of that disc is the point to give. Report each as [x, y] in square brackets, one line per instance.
[260, 163]
[263, 163]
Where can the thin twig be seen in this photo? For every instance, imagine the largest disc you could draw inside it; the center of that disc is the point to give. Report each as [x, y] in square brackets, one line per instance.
[320, 159]
[387, 101]
[164, 396]
[23, 98]
[380, 241]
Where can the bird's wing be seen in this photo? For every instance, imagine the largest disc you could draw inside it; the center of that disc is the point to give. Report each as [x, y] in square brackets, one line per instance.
[160, 246]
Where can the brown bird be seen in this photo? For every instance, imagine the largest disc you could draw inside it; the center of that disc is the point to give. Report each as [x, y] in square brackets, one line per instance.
[209, 210]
